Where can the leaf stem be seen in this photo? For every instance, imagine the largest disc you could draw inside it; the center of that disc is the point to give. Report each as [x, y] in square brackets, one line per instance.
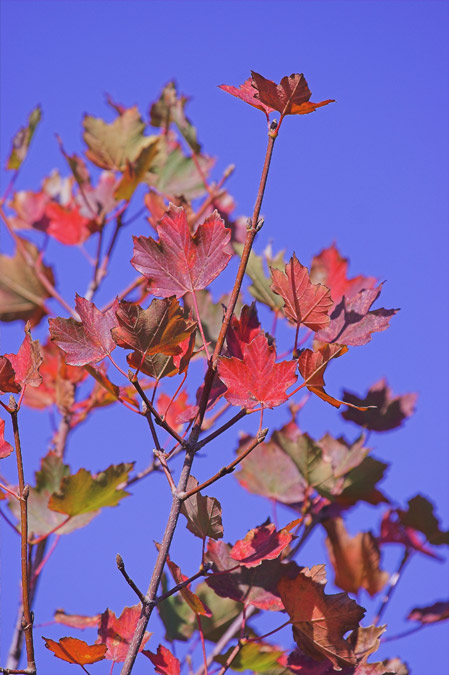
[221, 429]
[159, 420]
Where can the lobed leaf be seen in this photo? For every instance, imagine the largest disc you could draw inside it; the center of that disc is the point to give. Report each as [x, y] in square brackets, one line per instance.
[290, 97]
[117, 633]
[385, 412]
[163, 661]
[72, 650]
[262, 543]
[203, 513]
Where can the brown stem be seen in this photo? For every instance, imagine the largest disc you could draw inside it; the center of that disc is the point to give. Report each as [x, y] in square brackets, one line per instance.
[129, 581]
[229, 468]
[221, 429]
[191, 444]
[24, 491]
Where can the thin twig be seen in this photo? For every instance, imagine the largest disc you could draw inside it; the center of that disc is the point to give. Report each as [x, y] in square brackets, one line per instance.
[221, 429]
[229, 468]
[101, 270]
[391, 587]
[24, 492]
[405, 633]
[158, 419]
[129, 581]
[201, 573]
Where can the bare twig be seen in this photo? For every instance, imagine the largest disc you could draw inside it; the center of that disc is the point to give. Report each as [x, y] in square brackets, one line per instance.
[129, 581]
[221, 429]
[391, 587]
[158, 419]
[229, 468]
[201, 573]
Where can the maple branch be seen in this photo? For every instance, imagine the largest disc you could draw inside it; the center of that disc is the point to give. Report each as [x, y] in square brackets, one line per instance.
[391, 587]
[229, 468]
[24, 491]
[129, 581]
[242, 413]
[101, 270]
[152, 410]
[201, 573]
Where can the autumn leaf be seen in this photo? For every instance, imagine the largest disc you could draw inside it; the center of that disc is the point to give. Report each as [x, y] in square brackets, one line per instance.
[27, 361]
[112, 146]
[5, 448]
[8, 377]
[22, 295]
[170, 108]
[77, 651]
[66, 224]
[76, 620]
[117, 633]
[312, 365]
[387, 411]
[243, 330]
[178, 619]
[172, 410]
[247, 93]
[203, 513]
[180, 262]
[88, 341]
[223, 612]
[356, 560]
[305, 303]
[365, 641]
[290, 97]
[135, 172]
[178, 175]
[257, 379]
[262, 543]
[393, 530]
[330, 268]
[270, 472]
[163, 661]
[83, 493]
[439, 611]
[256, 657]
[191, 598]
[352, 323]
[319, 620]
[253, 586]
[420, 516]
[160, 329]
[22, 139]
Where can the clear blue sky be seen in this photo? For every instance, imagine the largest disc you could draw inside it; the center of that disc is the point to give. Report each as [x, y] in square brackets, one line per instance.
[369, 172]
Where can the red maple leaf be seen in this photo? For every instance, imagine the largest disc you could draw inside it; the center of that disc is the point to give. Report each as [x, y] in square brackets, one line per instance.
[305, 303]
[330, 268]
[246, 92]
[262, 543]
[88, 341]
[290, 97]
[117, 633]
[257, 379]
[27, 361]
[242, 331]
[180, 262]
[163, 661]
[8, 377]
[66, 224]
[5, 447]
[312, 365]
[388, 411]
[351, 321]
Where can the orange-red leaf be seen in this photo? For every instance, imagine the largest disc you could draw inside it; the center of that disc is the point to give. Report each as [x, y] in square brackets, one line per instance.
[191, 599]
[312, 366]
[247, 93]
[5, 447]
[77, 651]
[8, 377]
[257, 379]
[262, 543]
[330, 268]
[163, 661]
[180, 262]
[66, 224]
[290, 97]
[305, 303]
[319, 620]
[116, 633]
[27, 361]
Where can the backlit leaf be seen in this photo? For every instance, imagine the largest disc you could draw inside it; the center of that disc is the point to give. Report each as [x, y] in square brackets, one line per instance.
[8, 377]
[178, 619]
[253, 656]
[135, 171]
[66, 223]
[27, 361]
[262, 543]
[191, 598]
[387, 411]
[163, 661]
[180, 262]
[203, 513]
[439, 611]
[352, 323]
[77, 651]
[247, 93]
[320, 621]
[22, 295]
[243, 330]
[257, 379]
[112, 146]
[330, 268]
[76, 620]
[5, 448]
[88, 341]
[356, 560]
[312, 365]
[117, 633]
[260, 288]
[22, 139]
[170, 108]
[82, 493]
[305, 303]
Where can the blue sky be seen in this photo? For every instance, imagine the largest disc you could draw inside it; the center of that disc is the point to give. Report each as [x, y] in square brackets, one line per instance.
[369, 172]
